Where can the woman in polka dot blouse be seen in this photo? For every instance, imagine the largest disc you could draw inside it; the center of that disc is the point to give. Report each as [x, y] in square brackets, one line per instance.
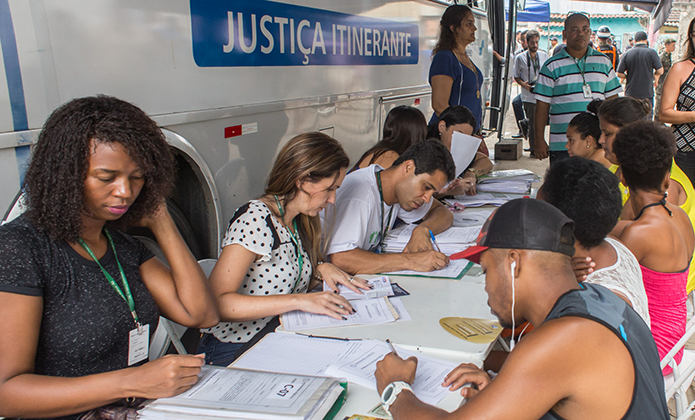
[271, 257]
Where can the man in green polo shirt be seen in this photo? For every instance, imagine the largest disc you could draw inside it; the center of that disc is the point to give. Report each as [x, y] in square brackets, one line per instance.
[567, 82]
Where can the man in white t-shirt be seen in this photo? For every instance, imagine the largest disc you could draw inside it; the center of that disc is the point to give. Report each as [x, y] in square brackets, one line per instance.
[371, 199]
[527, 66]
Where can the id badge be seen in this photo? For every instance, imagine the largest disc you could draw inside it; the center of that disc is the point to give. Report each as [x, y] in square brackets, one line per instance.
[587, 91]
[139, 344]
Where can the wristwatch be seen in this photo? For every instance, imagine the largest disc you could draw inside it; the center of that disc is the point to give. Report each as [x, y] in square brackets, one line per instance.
[390, 393]
[475, 171]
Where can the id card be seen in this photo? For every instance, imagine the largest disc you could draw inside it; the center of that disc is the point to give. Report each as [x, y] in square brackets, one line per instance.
[139, 345]
[587, 91]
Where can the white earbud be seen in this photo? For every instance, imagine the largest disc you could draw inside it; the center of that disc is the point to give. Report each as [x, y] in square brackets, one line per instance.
[512, 344]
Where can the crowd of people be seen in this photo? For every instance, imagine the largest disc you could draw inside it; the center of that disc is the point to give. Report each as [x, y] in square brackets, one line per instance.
[599, 264]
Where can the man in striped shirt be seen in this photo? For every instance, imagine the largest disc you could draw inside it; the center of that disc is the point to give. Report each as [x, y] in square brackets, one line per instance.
[567, 82]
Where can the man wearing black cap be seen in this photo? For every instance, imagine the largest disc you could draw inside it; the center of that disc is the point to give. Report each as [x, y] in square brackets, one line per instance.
[590, 355]
[641, 67]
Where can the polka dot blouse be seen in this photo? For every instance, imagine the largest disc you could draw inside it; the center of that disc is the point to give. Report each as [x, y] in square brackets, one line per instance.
[276, 271]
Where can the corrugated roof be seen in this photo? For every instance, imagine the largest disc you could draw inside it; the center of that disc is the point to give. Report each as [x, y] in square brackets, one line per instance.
[627, 15]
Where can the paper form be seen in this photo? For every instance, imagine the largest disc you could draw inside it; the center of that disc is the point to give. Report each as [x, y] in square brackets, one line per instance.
[472, 218]
[297, 354]
[459, 235]
[451, 271]
[398, 305]
[241, 390]
[463, 149]
[381, 286]
[302, 355]
[428, 378]
[369, 312]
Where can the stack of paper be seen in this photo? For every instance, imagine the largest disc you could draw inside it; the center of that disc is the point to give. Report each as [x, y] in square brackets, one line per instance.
[511, 181]
[249, 394]
[368, 312]
[351, 359]
[450, 241]
[482, 199]
[511, 174]
[505, 186]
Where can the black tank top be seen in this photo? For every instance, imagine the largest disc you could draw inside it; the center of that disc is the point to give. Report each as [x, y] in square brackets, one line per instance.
[599, 304]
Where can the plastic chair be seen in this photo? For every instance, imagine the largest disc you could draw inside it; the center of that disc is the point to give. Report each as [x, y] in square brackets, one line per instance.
[678, 382]
[169, 332]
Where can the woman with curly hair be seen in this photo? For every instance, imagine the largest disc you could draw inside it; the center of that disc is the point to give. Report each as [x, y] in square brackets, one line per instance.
[660, 236]
[80, 299]
[271, 253]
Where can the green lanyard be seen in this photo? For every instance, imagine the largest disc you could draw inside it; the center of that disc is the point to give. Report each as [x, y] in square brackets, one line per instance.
[127, 296]
[295, 239]
[581, 70]
[384, 228]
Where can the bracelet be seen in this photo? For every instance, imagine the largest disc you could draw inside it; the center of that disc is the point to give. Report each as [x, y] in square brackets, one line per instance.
[475, 171]
[319, 276]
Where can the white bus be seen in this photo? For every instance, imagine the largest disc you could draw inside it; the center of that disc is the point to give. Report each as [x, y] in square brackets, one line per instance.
[228, 81]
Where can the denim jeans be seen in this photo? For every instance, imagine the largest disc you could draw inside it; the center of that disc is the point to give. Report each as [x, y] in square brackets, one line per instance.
[518, 107]
[218, 352]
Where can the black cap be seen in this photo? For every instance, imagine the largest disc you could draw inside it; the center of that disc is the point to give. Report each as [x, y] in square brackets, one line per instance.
[524, 224]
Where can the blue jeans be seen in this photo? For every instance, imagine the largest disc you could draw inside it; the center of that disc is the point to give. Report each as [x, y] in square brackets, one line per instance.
[218, 352]
[518, 107]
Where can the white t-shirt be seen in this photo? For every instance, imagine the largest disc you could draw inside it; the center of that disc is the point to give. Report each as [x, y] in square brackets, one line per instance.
[528, 72]
[355, 219]
[624, 277]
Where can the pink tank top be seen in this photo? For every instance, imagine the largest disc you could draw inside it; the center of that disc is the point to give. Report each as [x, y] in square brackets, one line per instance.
[666, 299]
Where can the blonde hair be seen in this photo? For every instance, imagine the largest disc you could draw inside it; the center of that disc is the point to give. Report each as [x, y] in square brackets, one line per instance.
[308, 157]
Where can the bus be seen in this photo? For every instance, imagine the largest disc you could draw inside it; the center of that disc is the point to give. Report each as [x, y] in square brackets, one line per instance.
[228, 81]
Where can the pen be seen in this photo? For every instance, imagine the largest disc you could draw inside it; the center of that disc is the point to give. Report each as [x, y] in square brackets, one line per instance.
[393, 349]
[434, 241]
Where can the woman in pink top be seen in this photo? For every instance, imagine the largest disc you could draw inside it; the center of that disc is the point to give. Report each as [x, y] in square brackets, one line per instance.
[661, 236]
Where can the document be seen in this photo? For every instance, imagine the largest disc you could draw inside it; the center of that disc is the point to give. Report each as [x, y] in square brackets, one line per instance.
[247, 394]
[350, 359]
[463, 149]
[368, 312]
[453, 235]
[455, 270]
[504, 186]
[429, 375]
[381, 286]
[472, 218]
[482, 199]
[398, 305]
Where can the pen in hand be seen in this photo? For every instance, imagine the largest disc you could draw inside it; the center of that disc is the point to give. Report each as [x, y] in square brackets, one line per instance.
[434, 241]
[393, 349]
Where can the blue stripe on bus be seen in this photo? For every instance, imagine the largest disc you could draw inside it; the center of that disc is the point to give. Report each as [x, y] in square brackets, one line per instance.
[12, 70]
[22, 153]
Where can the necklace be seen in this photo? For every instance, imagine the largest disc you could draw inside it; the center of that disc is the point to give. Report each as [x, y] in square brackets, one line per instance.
[469, 64]
[661, 202]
